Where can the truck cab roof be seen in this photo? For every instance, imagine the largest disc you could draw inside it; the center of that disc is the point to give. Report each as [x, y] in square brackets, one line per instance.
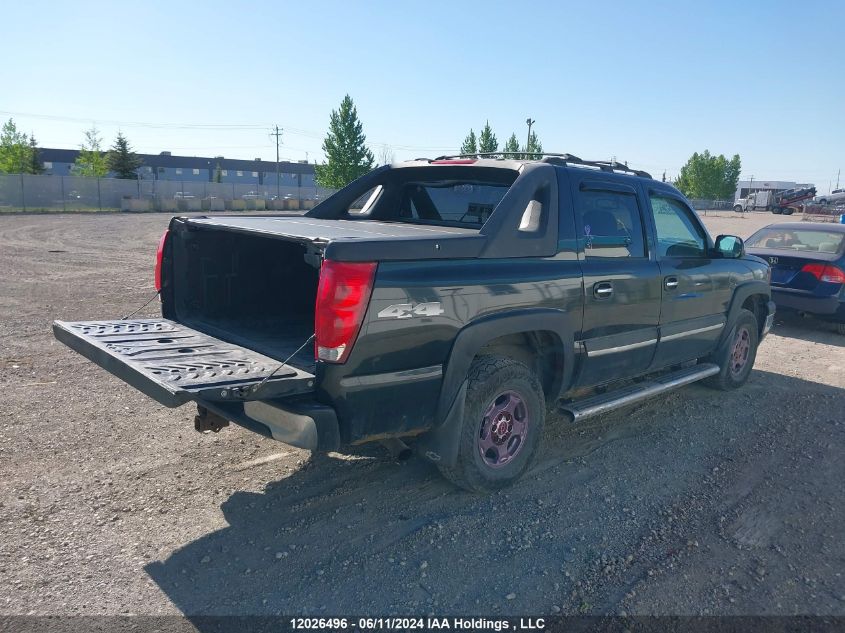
[516, 160]
[569, 162]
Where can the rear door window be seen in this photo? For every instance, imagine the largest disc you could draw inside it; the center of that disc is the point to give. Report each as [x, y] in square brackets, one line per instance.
[610, 224]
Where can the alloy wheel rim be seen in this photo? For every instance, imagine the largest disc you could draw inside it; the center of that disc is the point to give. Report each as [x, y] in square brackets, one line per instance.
[740, 351]
[504, 428]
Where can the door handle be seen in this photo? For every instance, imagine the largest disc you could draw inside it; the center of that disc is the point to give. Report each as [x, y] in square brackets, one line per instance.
[602, 290]
[671, 283]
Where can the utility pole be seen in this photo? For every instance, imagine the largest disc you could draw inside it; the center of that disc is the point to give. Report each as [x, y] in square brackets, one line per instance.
[278, 134]
[838, 171]
[529, 121]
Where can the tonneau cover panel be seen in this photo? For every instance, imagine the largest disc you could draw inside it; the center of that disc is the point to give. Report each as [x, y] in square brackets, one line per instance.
[356, 240]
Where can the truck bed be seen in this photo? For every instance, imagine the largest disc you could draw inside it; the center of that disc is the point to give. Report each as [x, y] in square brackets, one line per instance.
[276, 336]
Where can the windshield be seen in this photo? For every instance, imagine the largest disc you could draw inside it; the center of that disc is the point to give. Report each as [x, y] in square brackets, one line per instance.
[790, 239]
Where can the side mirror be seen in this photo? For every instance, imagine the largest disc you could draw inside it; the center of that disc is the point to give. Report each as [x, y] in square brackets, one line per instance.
[730, 246]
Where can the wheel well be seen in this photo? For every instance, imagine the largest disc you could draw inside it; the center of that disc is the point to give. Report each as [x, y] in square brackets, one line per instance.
[756, 304]
[540, 351]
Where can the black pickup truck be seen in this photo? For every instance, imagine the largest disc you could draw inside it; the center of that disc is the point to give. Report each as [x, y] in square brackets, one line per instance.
[447, 303]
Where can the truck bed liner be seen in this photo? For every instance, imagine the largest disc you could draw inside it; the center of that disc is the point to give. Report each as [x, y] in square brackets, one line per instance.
[277, 338]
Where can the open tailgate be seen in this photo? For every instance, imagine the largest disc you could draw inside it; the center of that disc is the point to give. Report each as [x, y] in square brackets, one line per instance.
[173, 364]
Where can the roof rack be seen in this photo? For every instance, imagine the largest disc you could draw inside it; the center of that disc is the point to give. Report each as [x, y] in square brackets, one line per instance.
[553, 158]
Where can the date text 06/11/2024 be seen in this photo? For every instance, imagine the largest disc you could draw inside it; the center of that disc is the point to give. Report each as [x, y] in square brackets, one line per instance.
[419, 623]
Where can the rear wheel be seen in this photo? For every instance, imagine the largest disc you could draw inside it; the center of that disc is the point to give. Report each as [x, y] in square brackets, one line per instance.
[738, 208]
[788, 211]
[503, 423]
[735, 356]
[776, 211]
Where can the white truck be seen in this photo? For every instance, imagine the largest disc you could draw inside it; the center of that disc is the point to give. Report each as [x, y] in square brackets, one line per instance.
[778, 202]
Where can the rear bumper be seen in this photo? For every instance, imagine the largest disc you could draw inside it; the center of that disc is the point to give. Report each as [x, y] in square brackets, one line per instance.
[831, 307]
[303, 423]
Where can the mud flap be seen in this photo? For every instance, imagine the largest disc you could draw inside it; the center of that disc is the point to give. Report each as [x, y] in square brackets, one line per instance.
[441, 444]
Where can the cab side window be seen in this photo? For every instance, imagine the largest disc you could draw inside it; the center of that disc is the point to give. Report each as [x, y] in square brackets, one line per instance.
[678, 233]
[610, 224]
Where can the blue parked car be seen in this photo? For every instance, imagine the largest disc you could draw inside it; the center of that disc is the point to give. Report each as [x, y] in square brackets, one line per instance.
[807, 262]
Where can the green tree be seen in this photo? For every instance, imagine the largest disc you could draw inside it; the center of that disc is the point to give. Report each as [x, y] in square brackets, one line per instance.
[15, 150]
[91, 161]
[534, 146]
[345, 148]
[487, 141]
[470, 145]
[122, 160]
[709, 177]
[35, 165]
[512, 145]
[730, 180]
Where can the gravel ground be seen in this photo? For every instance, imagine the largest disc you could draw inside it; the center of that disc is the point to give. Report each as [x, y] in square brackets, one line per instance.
[699, 502]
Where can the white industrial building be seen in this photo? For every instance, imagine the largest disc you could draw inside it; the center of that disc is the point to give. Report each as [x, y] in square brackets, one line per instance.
[744, 187]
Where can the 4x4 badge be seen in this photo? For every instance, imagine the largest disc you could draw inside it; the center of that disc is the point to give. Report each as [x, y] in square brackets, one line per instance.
[408, 310]
[773, 260]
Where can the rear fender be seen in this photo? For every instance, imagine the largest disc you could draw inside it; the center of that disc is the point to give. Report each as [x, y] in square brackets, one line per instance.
[472, 338]
[440, 444]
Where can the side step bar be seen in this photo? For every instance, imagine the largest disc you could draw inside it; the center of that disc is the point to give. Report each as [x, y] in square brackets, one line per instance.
[602, 403]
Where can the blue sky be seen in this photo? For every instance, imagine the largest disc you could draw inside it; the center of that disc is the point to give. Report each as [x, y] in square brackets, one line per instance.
[649, 83]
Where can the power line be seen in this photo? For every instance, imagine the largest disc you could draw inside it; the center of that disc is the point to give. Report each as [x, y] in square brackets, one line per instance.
[167, 126]
[262, 146]
[217, 127]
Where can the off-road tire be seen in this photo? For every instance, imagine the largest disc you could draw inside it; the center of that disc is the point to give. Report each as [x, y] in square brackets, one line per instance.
[728, 377]
[488, 377]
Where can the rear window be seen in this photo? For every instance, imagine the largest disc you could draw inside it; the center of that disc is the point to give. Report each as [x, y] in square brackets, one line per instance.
[805, 240]
[452, 203]
[460, 196]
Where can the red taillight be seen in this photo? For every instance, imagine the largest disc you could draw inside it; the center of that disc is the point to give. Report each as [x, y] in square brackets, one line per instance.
[159, 257]
[342, 297]
[825, 272]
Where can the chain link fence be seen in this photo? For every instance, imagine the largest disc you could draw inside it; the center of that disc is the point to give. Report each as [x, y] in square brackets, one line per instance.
[21, 192]
[76, 193]
[712, 205]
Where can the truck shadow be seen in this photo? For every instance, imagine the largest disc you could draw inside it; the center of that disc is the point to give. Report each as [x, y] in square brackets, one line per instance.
[792, 325]
[373, 537]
